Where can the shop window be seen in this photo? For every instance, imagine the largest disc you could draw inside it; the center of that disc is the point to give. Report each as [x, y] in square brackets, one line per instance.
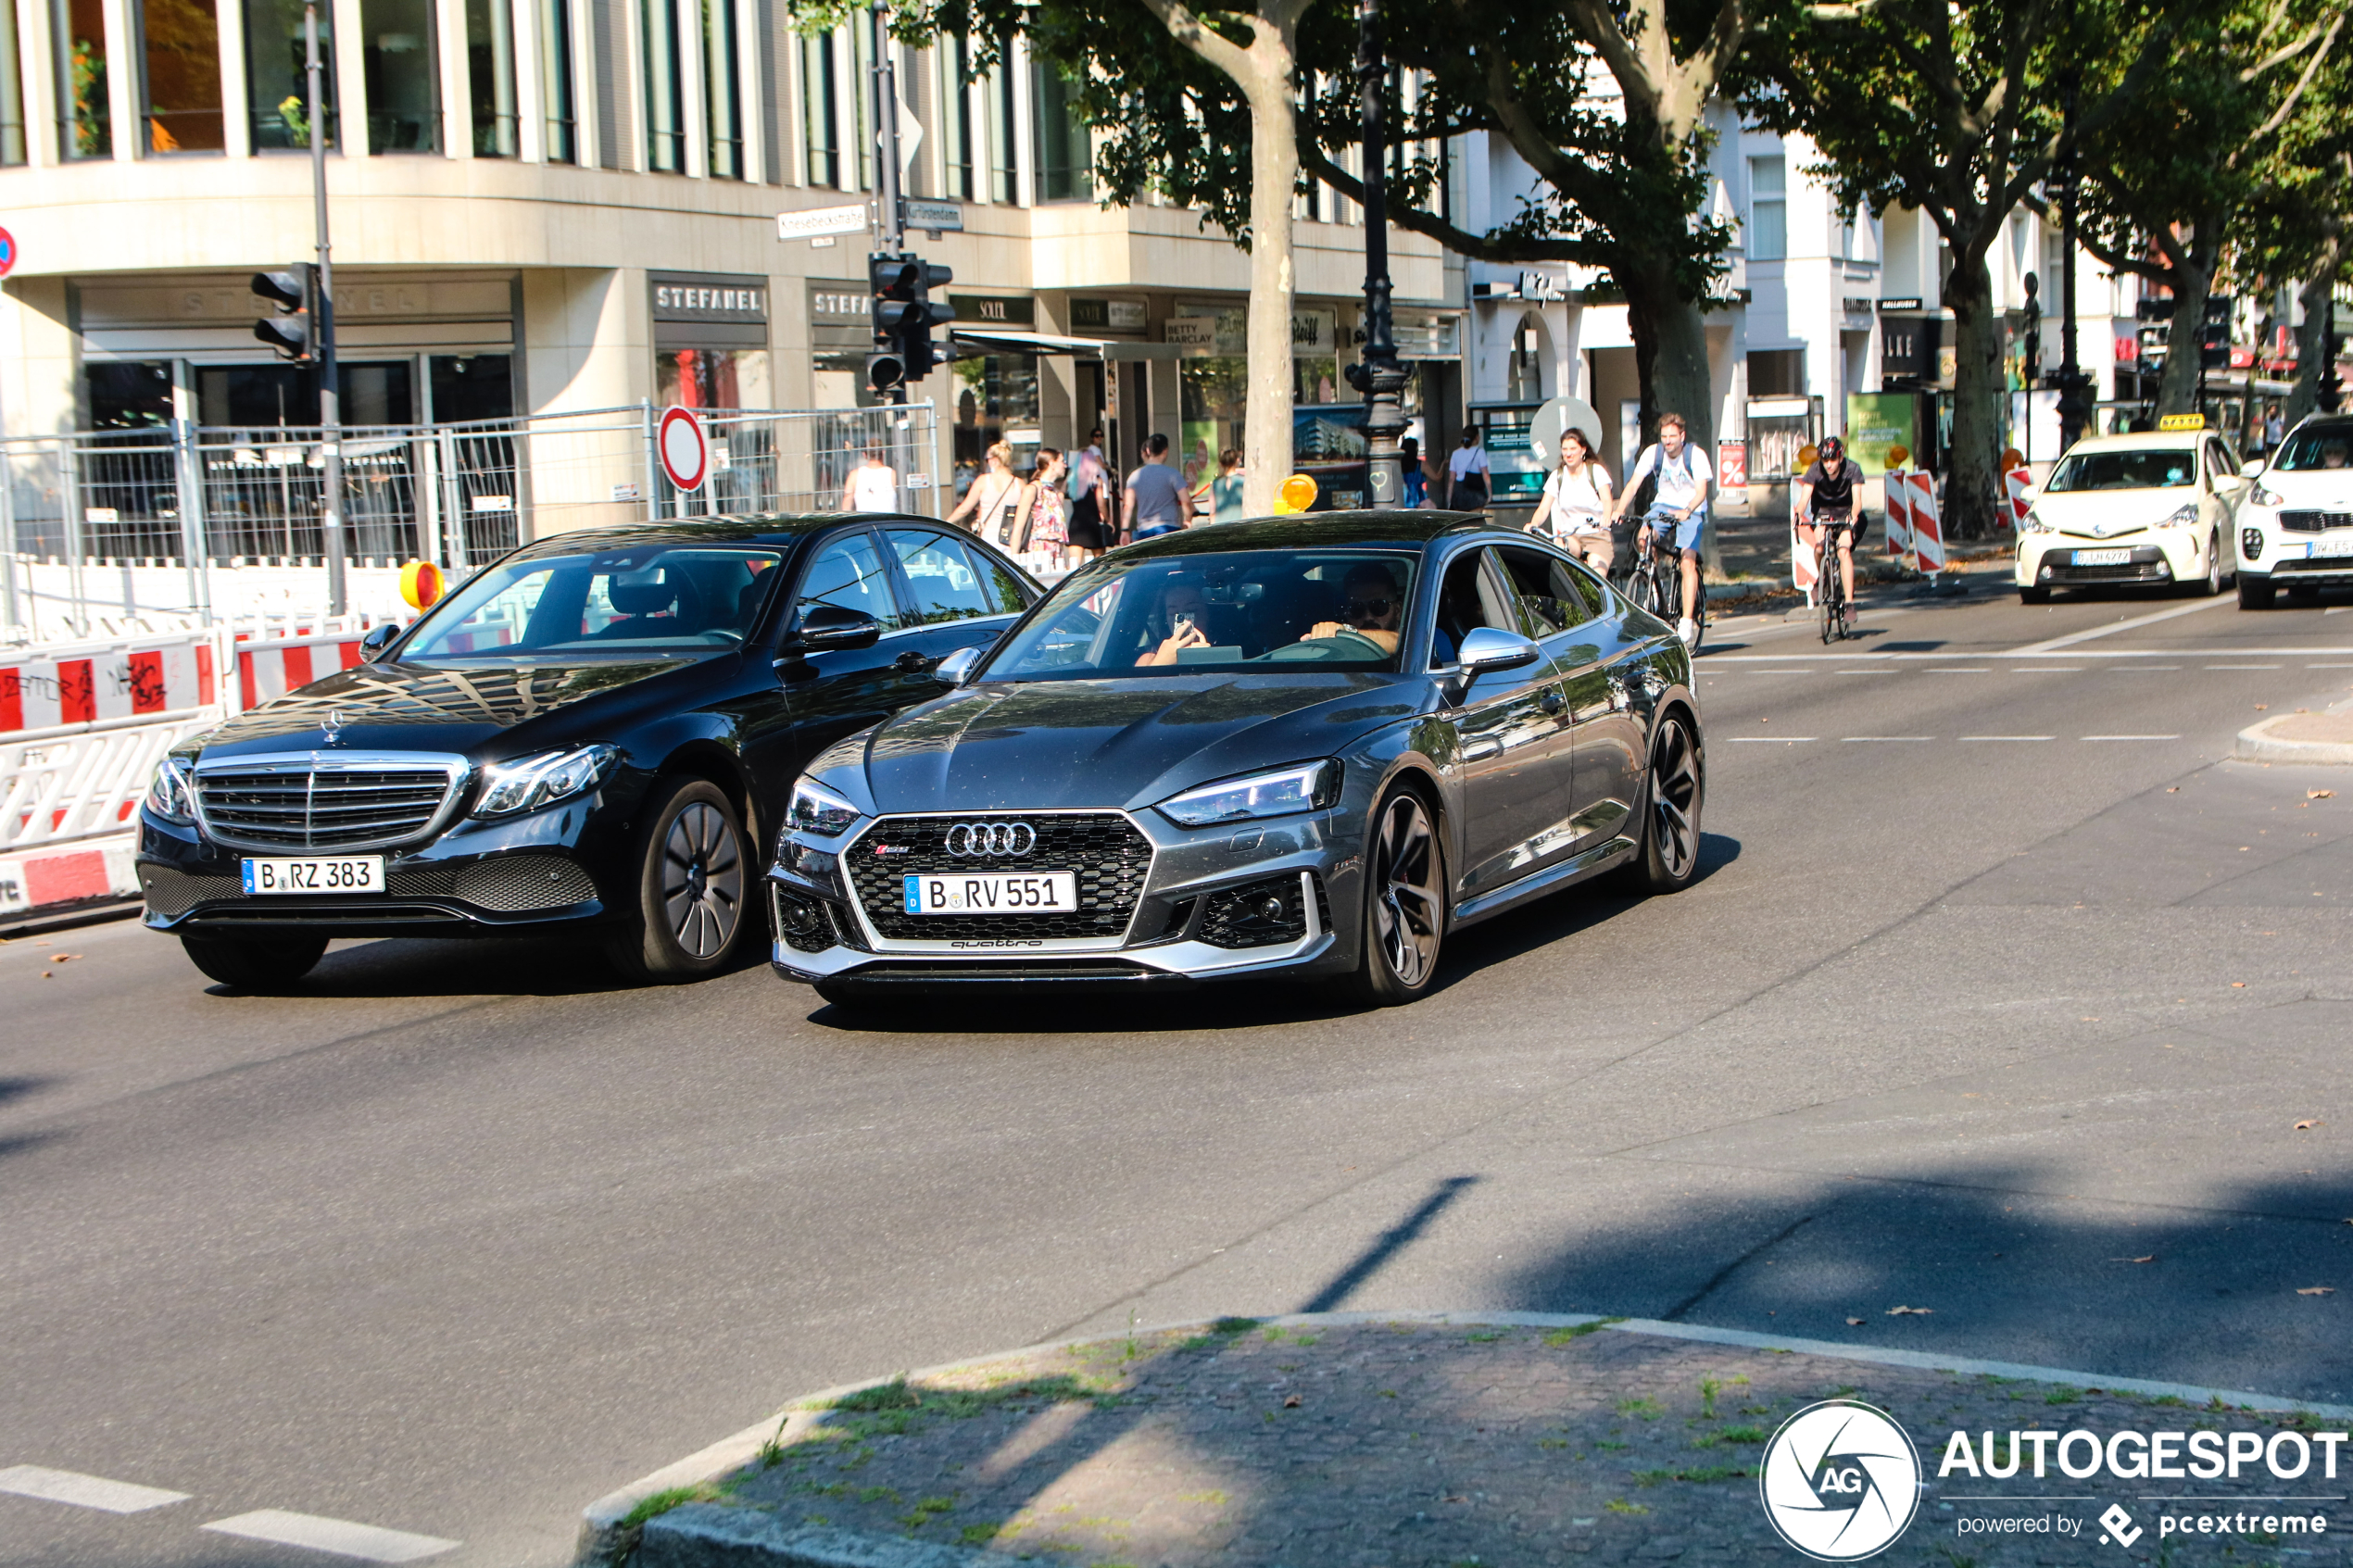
[1524, 370]
[133, 395]
[956, 117]
[268, 396]
[555, 80]
[180, 54]
[996, 400]
[722, 104]
[276, 90]
[377, 394]
[1065, 161]
[11, 92]
[84, 129]
[1213, 393]
[1777, 372]
[712, 378]
[820, 111]
[471, 386]
[396, 53]
[1003, 173]
[1767, 209]
[490, 76]
[665, 109]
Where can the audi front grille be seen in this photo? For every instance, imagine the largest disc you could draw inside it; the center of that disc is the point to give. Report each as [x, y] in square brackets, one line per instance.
[1103, 849]
[315, 802]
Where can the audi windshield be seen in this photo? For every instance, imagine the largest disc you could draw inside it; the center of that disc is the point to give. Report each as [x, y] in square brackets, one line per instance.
[1335, 609]
[649, 599]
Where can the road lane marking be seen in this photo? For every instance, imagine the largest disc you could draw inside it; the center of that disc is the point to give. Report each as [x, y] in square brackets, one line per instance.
[1960, 670]
[2050, 669]
[2109, 631]
[1864, 671]
[85, 1492]
[2243, 666]
[340, 1537]
[2328, 667]
[2141, 669]
[1770, 740]
[2132, 737]
[2009, 737]
[1851, 739]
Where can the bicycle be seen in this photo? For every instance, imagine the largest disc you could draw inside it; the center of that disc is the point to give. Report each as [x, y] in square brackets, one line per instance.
[1829, 585]
[1655, 583]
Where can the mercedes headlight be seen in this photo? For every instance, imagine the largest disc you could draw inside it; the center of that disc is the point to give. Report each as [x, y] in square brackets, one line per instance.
[168, 795]
[817, 809]
[2033, 523]
[529, 783]
[2184, 517]
[1304, 786]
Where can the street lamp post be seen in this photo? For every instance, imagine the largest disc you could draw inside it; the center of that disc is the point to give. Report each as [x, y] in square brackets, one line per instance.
[322, 327]
[1378, 375]
[2074, 407]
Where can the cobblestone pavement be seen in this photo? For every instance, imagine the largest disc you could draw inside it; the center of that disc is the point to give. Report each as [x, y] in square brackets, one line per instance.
[1376, 1445]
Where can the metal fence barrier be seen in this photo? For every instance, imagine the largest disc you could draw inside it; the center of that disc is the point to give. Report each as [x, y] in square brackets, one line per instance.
[194, 497]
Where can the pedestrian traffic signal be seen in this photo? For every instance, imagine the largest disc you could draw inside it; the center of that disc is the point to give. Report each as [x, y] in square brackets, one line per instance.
[295, 292]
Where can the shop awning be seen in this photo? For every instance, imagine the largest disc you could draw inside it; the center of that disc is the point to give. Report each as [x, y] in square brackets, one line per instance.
[1009, 340]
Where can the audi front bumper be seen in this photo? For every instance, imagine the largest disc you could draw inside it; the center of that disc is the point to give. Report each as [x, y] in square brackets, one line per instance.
[1168, 907]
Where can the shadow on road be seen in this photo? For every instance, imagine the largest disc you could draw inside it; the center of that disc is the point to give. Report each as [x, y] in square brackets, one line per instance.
[409, 966]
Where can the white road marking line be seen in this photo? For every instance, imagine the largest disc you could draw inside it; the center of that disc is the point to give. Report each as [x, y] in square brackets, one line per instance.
[1851, 739]
[338, 1536]
[1960, 670]
[2009, 737]
[2132, 737]
[2243, 666]
[1769, 740]
[2141, 669]
[2050, 669]
[1862, 671]
[2110, 630]
[2328, 667]
[85, 1492]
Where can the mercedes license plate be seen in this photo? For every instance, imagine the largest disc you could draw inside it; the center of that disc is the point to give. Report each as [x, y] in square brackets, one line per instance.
[992, 892]
[2102, 557]
[2341, 547]
[343, 874]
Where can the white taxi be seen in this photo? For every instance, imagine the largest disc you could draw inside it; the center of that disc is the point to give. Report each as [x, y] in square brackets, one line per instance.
[2296, 530]
[2157, 508]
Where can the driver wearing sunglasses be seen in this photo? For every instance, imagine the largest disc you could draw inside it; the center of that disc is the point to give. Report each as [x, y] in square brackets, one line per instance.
[1371, 607]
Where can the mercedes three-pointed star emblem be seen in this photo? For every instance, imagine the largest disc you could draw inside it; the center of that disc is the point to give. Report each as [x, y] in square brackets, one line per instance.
[331, 729]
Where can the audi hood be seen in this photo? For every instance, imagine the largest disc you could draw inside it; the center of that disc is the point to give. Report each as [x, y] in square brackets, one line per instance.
[1047, 744]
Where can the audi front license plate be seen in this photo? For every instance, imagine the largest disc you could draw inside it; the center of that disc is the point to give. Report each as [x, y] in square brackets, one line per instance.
[345, 873]
[992, 892]
[2102, 557]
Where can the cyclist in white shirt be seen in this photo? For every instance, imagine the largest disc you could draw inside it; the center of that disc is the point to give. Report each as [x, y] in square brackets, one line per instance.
[1679, 510]
[1574, 508]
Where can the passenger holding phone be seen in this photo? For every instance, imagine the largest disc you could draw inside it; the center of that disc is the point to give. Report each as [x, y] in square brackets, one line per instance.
[1182, 605]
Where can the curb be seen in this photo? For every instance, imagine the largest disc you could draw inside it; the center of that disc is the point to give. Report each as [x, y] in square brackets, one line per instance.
[707, 1536]
[2258, 744]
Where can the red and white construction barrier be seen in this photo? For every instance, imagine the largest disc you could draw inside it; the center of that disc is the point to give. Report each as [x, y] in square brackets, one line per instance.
[1804, 571]
[1928, 534]
[1898, 487]
[90, 683]
[274, 669]
[2016, 482]
[57, 879]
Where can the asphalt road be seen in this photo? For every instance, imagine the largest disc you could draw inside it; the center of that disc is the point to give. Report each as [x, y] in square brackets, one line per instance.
[2002, 995]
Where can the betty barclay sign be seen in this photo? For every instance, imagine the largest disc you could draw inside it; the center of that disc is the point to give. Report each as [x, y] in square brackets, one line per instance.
[1842, 1481]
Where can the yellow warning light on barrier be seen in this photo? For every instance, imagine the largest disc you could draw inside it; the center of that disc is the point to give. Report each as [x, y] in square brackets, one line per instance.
[2181, 421]
[420, 584]
[1806, 455]
[2012, 459]
[1898, 455]
[1297, 494]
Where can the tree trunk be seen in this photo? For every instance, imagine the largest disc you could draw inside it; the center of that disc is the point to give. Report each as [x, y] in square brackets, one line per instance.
[2312, 357]
[1273, 178]
[1670, 359]
[1972, 477]
[2177, 383]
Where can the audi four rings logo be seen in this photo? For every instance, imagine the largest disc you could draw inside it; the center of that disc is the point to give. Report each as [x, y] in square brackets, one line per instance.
[991, 838]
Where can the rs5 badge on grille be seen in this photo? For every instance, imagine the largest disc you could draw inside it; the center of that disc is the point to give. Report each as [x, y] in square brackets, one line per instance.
[991, 893]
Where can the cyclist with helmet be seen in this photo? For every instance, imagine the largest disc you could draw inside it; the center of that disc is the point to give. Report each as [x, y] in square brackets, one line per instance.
[1826, 509]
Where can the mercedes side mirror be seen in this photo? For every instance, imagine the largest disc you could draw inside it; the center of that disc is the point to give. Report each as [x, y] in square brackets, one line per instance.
[957, 668]
[824, 628]
[1488, 649]
[379, 639]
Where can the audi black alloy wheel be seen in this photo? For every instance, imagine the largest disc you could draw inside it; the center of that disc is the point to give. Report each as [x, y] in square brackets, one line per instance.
[1404, 919]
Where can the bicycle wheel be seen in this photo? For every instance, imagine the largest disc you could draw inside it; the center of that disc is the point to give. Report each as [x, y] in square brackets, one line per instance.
[1642, 589]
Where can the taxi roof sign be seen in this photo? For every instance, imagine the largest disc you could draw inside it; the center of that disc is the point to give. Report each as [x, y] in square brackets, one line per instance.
[2181, 421]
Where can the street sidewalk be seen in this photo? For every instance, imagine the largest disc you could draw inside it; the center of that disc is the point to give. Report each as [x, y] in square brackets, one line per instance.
[1357, 1441]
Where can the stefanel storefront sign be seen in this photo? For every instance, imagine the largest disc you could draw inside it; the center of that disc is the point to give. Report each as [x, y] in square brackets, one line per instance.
[708, 310]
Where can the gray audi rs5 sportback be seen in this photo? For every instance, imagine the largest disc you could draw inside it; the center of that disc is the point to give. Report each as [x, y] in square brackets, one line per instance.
[1304, 746]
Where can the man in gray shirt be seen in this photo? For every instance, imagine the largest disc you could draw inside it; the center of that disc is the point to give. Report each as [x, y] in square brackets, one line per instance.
[1156, 498]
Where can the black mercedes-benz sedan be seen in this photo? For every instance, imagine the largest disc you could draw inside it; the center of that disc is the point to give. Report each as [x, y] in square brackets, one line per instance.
[591, 734]
[1302, 747]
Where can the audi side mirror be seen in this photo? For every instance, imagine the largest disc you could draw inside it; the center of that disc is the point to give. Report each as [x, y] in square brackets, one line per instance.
[957, 668]
[824, 628]
[1487, 648]
[379, 639]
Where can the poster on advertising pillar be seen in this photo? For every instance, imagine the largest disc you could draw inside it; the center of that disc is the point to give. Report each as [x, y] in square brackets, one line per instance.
[1876, 422]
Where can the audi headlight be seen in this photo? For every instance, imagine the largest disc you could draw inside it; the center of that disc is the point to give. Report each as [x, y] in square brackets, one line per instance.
[2033, 523]
[168, 795]
[529, 783]
[1304, 786]
[2263, 498]
[2184, 517]
[817, 809]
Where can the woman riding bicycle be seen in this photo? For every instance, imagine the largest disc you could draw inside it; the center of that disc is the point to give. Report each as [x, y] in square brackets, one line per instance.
[1574, 508]
[1826, 509]
[1678, 509]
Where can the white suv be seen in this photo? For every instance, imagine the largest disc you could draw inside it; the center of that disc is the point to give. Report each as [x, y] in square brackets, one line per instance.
[2296, 530]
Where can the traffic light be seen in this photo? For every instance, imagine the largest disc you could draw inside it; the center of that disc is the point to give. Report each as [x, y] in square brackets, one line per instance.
[2214, 332]
[2155, 307]
[293, 331]
[904, 316]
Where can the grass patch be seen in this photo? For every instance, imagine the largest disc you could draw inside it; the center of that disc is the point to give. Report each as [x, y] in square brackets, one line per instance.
[1619, 1505]
[662, 1502]
[1708, 1388]
[1742, 1435]
[1642, 1405]
[2062, 1395]
[1219, 1335]
[1704, 1473]
[925, 1510]
[978, 1535]
[1484, 1338]
[1578, 1331]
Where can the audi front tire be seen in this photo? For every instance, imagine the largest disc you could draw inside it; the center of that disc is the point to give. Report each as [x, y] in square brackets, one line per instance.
[1403, 919]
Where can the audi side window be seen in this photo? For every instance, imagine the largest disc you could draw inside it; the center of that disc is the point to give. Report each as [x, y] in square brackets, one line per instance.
[1467, 600]
[1580, 580]
[848, 574]
[1551, 602]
